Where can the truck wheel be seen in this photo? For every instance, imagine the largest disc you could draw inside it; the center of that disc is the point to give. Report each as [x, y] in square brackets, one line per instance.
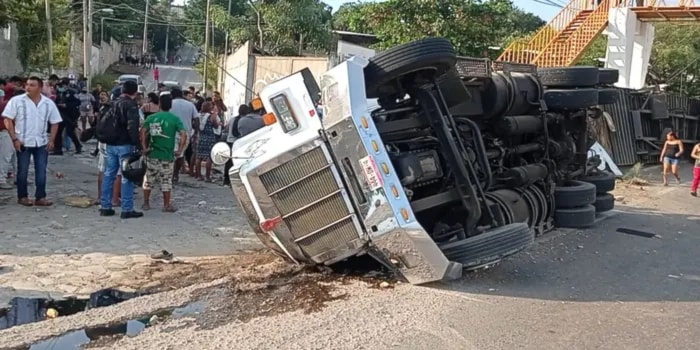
[603, 181]
[604, 202]
[608, 96]
[608, 76]
[568, 76]
[435, 54]
[567, 100]
[580, 217]
[574, 194]
[490, 246]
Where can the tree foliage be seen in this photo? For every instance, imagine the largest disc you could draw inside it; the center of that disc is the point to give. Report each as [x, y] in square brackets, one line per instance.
[675, 58]
[472, 26]
[276, 27]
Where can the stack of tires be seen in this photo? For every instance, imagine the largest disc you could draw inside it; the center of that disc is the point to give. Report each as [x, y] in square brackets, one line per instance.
[604, 183]
[574, 204]
[578, 201]
[575, 88]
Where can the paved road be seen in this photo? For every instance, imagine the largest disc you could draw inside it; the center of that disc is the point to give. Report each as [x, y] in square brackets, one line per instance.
[207, 223]
[185, 74]
[575, 289]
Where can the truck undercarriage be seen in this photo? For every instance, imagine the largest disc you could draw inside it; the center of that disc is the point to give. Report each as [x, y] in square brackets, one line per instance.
[461, 163]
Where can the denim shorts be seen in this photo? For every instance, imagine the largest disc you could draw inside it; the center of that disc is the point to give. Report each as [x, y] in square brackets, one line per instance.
[672, 161]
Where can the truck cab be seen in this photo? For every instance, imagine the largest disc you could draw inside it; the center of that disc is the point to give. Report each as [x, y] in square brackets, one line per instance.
[428, 162]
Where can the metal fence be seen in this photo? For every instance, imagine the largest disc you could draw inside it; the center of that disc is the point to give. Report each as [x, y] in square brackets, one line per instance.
[641, 120]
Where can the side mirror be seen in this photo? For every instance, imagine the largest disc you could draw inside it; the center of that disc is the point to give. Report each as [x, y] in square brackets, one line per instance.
[221, 153]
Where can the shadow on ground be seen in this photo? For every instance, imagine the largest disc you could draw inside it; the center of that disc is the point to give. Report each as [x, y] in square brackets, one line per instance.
[601, 264]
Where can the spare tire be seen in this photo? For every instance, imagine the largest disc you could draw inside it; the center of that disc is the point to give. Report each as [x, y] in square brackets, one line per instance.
[608, 76]
[580, 217]
[437, 54]
[573, 194]
[602, 180]
[490, 246]
[604, 202]
[608, 96]
[569, 100]
[581, 76]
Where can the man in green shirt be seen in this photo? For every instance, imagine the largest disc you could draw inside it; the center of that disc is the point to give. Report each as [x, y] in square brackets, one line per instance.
[158, 142]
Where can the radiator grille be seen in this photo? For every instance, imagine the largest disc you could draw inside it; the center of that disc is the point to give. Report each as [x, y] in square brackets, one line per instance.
[330, 238]
[294, 170]
[306, 193]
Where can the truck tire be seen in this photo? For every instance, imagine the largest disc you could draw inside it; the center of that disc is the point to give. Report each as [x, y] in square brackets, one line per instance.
[490, 246]
[604, 202]
[568, 100]
[608, 76]
[608, 96]
[570, 77]
[603, 181]
[580, 217]
[436, 54]
[574, 194]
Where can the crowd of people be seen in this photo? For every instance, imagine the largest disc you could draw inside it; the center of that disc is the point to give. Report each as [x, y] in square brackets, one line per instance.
[173, 130]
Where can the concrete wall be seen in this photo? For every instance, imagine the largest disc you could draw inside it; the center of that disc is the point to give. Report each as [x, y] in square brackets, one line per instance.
[9, 63]
[237, 66]
[251, 73]
[269, 69]
[102, 56]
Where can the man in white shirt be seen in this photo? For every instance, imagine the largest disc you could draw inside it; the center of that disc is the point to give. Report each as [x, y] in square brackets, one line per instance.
[27, 118]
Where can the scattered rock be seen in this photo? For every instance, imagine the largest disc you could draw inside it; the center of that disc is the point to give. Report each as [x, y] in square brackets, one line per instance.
[56, 225]
[384, 284]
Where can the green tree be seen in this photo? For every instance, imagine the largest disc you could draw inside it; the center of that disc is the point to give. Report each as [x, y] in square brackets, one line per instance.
[675, 58]
[276, 27]
[472, 26]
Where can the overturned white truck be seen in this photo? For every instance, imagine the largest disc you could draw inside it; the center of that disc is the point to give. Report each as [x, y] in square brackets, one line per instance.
[429, 162]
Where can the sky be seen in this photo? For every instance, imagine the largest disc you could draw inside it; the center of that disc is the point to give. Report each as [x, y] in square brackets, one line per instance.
[546, 12]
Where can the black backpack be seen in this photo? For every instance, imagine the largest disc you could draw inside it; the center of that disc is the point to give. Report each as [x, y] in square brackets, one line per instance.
[110, 124]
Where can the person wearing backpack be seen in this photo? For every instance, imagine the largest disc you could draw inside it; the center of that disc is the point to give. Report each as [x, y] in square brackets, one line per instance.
[119, 130]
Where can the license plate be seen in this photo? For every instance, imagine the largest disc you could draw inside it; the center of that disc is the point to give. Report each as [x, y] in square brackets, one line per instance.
[371, 173]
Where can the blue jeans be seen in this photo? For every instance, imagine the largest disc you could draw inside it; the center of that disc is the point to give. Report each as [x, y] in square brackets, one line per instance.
[66, 141]
[112, 163]
[41, 158]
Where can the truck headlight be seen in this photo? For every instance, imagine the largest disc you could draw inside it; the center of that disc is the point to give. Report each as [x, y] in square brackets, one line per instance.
[284, 113]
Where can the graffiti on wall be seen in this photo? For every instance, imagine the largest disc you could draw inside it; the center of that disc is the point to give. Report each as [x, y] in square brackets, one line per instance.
[263, 79]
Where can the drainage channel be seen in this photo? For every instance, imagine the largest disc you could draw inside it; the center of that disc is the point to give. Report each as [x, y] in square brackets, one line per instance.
[105, 335]
[28, 310]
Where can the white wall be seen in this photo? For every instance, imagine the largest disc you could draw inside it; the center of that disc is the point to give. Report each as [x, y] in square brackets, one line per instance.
[9, 62]
[237, 65]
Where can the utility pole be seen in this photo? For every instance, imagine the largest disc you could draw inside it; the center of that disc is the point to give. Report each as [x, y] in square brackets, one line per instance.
[87, 54]
[225, 59]
[89, 40]
[206, 44]
[145, 30]
[49, 33]
[167, 33]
